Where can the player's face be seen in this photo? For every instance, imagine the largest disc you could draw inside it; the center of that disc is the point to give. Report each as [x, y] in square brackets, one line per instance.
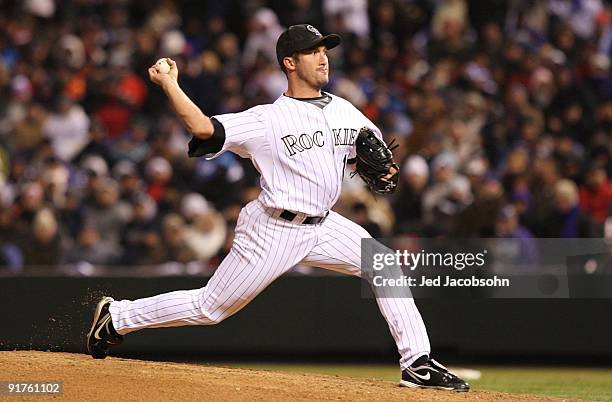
[312, 66]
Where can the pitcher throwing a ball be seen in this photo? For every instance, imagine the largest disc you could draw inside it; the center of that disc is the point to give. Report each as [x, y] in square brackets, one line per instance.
[300, 144]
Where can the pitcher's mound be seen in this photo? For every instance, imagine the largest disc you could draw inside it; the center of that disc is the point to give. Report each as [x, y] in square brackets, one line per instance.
[115, 379]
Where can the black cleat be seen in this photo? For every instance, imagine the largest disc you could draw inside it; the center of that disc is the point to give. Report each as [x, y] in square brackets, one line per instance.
[102, 335]
[428, 373]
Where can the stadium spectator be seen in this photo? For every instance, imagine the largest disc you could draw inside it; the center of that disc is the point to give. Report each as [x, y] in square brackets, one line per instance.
[408, 206]
[174, 235]
[360, 215]
[141, 241]
[261, 40]
[478, 218]
[107, 215]
[43, 248]
[596, 195]
[91, 247]
[207, 231]
[26, 208]
[67, 129]
[524, 253]
[299, 11]
[566, 220]
[341, 16]
[159, 174]
[447, 197]
[28, 133]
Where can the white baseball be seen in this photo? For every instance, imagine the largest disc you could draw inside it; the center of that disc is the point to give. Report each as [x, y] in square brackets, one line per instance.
[162, 66]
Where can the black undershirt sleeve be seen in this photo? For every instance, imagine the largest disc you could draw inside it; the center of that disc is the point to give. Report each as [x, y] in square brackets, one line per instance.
[200, 147]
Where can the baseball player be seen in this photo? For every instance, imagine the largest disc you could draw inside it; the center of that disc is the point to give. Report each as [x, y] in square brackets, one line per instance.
[300, 144]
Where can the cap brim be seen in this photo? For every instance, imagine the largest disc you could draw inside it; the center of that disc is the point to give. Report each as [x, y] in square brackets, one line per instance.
[329, 41]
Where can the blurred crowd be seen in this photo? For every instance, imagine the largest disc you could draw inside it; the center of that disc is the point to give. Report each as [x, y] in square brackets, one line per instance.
[502, 108]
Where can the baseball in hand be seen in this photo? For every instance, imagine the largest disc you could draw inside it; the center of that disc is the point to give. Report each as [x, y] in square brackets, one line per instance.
[162, 66]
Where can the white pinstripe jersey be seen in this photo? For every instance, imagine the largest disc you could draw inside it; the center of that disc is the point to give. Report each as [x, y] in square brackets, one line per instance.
[299, 149]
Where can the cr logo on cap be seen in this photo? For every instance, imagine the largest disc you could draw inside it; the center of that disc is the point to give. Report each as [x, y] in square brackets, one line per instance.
[313, 30]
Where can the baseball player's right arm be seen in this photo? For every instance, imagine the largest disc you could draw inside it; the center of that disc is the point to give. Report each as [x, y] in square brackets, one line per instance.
[192, 117]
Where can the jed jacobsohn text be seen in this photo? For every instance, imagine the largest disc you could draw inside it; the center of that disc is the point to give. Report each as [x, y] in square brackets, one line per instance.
[412, 260]
[441, 280]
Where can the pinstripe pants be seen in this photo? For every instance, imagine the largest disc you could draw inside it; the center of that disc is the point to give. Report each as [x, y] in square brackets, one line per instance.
[264, 248]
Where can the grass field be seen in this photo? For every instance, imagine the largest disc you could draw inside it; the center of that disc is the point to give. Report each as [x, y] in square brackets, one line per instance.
[572, 383]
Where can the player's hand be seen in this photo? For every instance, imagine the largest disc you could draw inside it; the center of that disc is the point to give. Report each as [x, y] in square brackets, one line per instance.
[392, 172]
[160, 78]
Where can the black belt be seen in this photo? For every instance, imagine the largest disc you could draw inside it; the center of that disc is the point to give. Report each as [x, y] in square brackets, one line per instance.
[309, 220]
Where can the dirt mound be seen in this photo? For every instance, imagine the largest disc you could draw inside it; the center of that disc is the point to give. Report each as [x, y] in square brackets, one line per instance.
[134, 380]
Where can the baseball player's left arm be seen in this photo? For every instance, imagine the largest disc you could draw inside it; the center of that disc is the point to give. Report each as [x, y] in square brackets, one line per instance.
[392, 170]
[352, 158]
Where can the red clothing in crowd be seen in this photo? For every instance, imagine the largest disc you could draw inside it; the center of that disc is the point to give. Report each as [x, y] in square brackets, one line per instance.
[597, 202]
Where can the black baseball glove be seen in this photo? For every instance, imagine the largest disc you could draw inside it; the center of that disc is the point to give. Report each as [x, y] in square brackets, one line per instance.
[374, 161]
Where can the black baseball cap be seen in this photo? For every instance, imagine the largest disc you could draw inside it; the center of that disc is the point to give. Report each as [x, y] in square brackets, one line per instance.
[302, 37]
